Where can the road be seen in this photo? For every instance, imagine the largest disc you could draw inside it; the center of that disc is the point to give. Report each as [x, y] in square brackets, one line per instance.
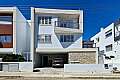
[30, 78]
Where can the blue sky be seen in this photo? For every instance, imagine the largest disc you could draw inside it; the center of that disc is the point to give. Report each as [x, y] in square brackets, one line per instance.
[97, 13]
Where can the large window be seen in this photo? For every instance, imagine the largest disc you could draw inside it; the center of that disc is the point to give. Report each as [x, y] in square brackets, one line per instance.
[43, 20]
[109, 48]
[5, 39]
[66, 38]
[44, 38]
[6, 18]
[108, 33]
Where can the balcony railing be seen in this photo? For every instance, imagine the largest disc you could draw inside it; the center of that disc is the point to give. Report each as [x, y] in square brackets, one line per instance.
[67, 24]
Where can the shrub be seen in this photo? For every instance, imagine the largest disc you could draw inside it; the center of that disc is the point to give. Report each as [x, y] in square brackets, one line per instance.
[13, 58]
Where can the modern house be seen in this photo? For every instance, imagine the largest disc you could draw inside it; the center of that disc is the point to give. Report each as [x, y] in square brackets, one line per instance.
[54, 33]
[107, 42]
[14, 35]
[13, 31]
[57, 33]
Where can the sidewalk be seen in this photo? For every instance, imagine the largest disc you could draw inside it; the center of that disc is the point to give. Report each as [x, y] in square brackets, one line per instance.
[62, 75]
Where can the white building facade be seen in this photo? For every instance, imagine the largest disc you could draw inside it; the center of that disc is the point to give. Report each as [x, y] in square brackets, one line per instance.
[18, 33]
[107, 42]
[54, 33]
[14, 39]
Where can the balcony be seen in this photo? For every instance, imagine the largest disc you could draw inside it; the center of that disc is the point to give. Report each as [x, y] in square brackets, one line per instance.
[67, 26]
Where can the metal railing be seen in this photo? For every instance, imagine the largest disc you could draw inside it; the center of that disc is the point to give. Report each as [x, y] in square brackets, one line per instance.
[67, 24]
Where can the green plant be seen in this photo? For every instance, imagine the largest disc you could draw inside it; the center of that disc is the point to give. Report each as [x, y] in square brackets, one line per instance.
[13, 58]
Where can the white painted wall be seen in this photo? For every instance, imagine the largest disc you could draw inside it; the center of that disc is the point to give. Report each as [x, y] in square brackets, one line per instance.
[103, 41]
[48, 29]
[22, 33]
[26, 66]
[86, 68]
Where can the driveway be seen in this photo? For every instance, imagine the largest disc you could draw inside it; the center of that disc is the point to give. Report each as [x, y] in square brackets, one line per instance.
[50, 70]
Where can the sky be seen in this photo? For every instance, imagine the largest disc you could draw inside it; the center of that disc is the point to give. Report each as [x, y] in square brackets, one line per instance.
[97, 13]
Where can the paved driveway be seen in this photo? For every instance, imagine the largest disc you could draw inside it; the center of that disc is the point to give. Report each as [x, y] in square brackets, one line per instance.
[50, 70]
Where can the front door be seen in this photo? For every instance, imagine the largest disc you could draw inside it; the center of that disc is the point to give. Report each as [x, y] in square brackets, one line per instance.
[45, 61]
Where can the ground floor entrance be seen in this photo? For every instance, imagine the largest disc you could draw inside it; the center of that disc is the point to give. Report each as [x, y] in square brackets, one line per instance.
[45, 61]
[50, 60]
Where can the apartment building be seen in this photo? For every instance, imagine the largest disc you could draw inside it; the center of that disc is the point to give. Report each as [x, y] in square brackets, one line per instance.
[107, 42]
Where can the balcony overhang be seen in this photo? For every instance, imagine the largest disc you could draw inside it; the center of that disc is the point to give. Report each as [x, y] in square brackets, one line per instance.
[51, 50]
[7, 10]
[64, 50]
[57, 11]
[67, 30]
[6, 50]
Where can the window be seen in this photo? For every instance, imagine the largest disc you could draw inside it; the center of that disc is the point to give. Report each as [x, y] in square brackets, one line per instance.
[66, 38]
[44, 20]
[97, 39]
[5, 38]
[109, 48]
[44, 38]
[61, 38]
[6, 18]
[106, 66]
[108, 33]
[49, 19]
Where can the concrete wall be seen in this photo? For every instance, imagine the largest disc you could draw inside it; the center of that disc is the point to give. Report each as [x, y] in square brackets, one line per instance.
[81, 21]
[86, 68]
[26, 66]
[32, 37]
[16, 66]
[10, 67]
[37, 60]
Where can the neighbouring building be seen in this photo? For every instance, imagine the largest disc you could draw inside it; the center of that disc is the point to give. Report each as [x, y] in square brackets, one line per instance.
[104, 41]
[14, 30]
[14, 36]
[107, 41]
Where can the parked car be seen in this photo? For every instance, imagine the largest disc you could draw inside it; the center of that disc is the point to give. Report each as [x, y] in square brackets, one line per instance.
[58, 63]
